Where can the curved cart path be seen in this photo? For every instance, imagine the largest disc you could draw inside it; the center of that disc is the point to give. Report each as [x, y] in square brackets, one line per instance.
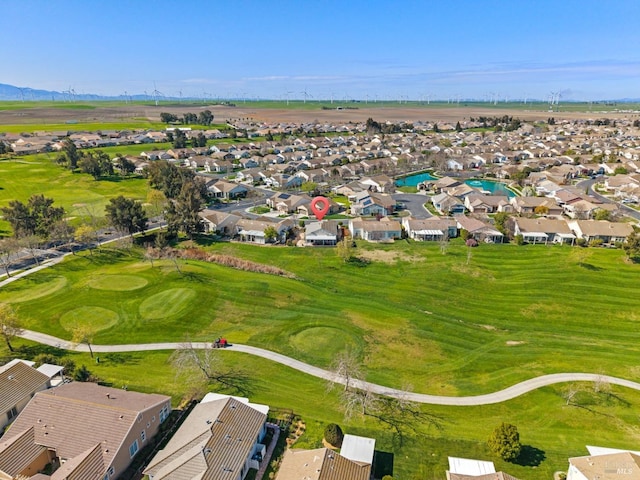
[489, 398]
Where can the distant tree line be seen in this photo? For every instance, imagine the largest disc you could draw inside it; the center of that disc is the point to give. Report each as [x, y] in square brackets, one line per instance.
[203, 118]
[374, 127]
[96, 163]
[179, 139]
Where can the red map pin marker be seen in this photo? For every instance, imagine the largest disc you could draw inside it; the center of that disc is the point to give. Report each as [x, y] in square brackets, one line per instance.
[320, 207]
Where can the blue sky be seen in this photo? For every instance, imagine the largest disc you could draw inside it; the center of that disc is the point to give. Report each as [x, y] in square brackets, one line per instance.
[586, 49]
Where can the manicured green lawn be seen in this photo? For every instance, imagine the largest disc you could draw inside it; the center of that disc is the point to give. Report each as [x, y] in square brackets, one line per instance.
[510, 314]
[78, 193]
[551, 429]
[428, 320]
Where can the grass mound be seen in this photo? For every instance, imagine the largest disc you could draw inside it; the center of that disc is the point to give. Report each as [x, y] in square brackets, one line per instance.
[119, 283]
[99, 318]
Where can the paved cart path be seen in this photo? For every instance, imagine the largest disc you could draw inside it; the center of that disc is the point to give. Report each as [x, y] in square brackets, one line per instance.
[489, 398]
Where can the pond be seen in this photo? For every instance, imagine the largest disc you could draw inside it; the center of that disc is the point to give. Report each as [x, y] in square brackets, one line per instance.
[495, 188]
[414, 180]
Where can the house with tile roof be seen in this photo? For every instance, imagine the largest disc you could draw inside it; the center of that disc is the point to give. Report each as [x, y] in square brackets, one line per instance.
[353, 462]
[385, 230]
[608, 232]
[18, 383]
[479, 230]
[543, 230]
[219, 440]
[83, 430]
[433, 229]
[607, 466]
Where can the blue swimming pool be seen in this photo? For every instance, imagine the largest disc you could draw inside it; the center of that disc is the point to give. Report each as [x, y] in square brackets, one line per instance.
[414, 180]
[496, 188]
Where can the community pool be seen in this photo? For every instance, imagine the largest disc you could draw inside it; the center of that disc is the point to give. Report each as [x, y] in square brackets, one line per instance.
[496, 188]
[414, 180]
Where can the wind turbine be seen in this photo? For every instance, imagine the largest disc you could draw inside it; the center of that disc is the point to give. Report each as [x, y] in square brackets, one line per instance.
[156, 93]
[305, 95]
[287, 96]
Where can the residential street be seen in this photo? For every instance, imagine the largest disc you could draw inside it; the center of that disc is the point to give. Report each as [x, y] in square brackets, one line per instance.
[495, 397]
[414, 203]
[589, 184]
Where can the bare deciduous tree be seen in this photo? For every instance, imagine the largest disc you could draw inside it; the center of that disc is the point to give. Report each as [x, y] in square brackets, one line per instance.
[202, 367]
[10, 326]
[8, 248]
[570, 393]
[358, 399]
[346, 370]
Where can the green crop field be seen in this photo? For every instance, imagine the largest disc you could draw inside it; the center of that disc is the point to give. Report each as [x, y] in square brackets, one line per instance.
[316, 104]
[509, 314]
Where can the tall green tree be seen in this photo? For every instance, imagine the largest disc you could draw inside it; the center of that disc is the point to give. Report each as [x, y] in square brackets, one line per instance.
[182, 213]
[126, 214]
[179, 139]
[168, 178]
[505, 442]
[632, 246]
[200, 140]
[36, 217]
[70, 154]
[97, 164]
[205, 117]
[126, 166]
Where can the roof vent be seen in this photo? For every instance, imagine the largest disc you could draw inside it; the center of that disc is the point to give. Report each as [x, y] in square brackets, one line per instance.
[11, 377]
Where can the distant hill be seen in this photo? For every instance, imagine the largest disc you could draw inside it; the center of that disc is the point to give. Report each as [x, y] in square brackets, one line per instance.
[11, 92]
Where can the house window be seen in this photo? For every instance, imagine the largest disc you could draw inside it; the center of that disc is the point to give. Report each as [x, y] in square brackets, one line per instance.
[143, 435]
[133, 449]
[164, 413]
[13, 413]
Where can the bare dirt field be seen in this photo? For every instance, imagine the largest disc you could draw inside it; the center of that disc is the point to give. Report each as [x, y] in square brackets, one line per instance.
[114, 114]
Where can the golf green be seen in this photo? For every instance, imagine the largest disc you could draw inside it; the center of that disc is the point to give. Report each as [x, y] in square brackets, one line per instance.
[166, 303]
[33, 290]
[118, 283]
[319, 342]
[97, 317]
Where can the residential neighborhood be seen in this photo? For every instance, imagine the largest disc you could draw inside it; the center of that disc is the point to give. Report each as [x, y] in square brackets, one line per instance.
[573, 184]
